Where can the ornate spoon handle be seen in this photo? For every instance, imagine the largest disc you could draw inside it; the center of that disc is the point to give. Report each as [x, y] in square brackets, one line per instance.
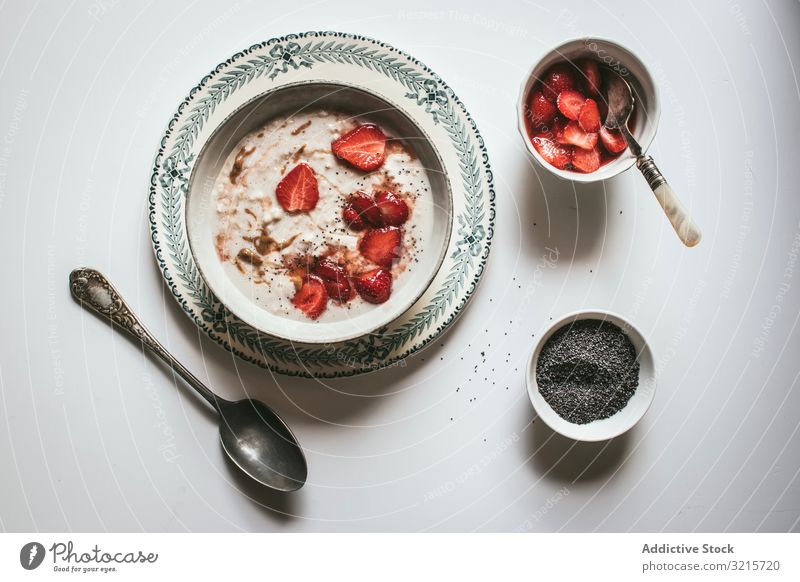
[96, 293]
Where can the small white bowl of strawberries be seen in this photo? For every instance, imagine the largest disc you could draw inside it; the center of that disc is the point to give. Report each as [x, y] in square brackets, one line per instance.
[562, 109]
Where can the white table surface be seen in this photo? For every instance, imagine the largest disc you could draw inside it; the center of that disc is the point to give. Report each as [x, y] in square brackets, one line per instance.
[96, 436]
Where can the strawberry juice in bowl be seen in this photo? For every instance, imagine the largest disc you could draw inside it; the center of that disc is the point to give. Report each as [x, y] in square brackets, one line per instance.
[562, 107]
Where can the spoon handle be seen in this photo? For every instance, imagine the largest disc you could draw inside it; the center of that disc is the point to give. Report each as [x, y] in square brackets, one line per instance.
[96, 293]
[683, 224]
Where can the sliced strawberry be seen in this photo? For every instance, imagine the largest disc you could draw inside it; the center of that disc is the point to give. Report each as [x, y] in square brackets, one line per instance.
[573, 134]
[333, 275]
[586, 160]
[298, 190]
[613, 140]
[361, 212]
[352, 217]
[541, 111]
[312, 297]
[364, 147]
[341, 291]
[365, 206]
[570, 103]
[558, 130]
[591, 76]
[381, 246]
[374, 286]
[558, 78]
[327, 269]
[393, 209]
[589, 117]
[555, 154]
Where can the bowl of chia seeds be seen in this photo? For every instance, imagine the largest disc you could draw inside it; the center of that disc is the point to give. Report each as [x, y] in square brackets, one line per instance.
[591, 376]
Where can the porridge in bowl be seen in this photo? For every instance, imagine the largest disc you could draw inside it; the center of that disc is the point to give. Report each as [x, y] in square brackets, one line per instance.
[321, 216]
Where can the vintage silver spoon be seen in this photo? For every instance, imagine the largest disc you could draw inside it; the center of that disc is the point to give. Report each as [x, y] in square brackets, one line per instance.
[256, 439]
[620, 106]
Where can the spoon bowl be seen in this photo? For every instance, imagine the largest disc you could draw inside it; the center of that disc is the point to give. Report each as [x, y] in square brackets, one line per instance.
[619, 99]
[261, 444]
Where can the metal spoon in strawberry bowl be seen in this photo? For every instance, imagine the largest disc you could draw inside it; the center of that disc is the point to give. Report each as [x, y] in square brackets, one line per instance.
[620, 105]
[255, 438]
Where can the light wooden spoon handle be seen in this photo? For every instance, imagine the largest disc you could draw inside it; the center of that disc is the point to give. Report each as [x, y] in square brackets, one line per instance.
[683, 224]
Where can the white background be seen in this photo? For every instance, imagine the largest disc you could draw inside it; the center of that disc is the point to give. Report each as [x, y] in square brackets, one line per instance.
[97, 436]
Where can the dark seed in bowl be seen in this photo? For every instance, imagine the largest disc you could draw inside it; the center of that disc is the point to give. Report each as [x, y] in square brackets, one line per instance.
[587, 370]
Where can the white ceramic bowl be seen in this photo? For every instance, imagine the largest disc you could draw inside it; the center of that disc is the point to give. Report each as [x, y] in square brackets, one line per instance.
[286, 100]
[622, 421]
[647, 108]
